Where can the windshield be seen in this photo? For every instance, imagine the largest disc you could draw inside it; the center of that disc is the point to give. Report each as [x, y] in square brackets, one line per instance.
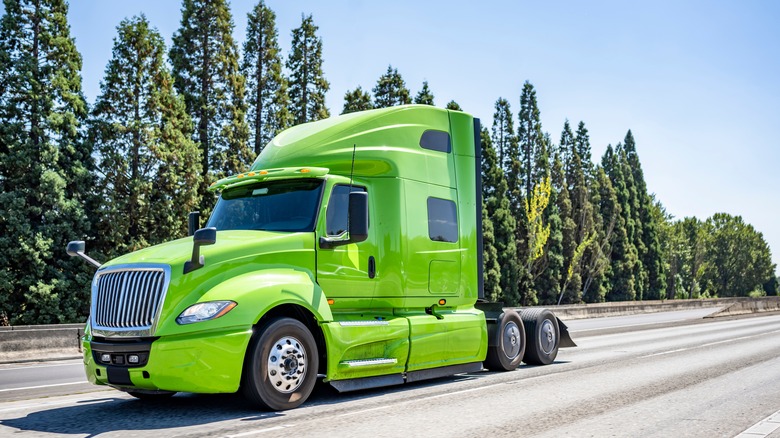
[269, 206]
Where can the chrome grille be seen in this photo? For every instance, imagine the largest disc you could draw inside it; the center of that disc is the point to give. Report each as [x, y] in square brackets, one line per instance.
[127, 299]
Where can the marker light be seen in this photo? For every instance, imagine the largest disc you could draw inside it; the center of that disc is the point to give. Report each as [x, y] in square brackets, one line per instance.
[205, 311]
[263, 172]
[442, 302]
[331, 301]
[305, 170]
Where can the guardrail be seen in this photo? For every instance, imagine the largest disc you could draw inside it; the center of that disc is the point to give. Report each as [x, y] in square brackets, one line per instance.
[63, 341]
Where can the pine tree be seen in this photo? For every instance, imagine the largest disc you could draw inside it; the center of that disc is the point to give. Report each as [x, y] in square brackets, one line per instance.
[390, 90]
[596, 259]
[562, 180]
[45, 167]
[649, 245]
[550, 275]
[531, 141]
[494, 195]
[452, 105]
[357, 100]
[424, 97]
[492, 270]
[621, 275]
[149, 165]
[566, 149]
[582, 146]
[206, 72]
[634, 230]
[307, 80]
[266, 87]
[504, 138]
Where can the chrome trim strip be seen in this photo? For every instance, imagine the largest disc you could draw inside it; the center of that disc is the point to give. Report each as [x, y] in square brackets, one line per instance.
[369, 362]
[362, 323]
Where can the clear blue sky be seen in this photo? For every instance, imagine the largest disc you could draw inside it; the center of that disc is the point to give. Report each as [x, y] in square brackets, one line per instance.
[698, 82]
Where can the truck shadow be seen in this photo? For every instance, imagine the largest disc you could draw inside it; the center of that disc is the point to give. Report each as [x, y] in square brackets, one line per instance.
[97, 416]
[94, 417]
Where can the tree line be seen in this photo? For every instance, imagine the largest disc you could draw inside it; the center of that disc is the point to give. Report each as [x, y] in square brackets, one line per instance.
[123, 172]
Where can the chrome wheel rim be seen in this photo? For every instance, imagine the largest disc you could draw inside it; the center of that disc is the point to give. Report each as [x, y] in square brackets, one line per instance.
[547, 336]
[511, 340]
[286, 364]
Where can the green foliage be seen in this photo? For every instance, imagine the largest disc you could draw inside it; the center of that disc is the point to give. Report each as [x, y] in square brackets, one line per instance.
[452, 105]
[390, 90]
[492, 270]
[45, 167]
[204, 57]
[149, 166]
[357, 100]
[266, 87]
[504, 139]
[424, 97]
[307, 80]
[551, 273]
[738, 260]
[494, 196]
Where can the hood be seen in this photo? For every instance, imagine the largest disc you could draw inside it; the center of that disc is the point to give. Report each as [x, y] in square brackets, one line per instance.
[230, 245]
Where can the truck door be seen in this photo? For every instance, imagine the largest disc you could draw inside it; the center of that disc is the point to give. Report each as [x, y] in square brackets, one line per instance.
[345, 272]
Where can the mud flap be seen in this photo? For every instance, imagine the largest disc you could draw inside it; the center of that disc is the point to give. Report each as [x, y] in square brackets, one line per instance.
[566, 340]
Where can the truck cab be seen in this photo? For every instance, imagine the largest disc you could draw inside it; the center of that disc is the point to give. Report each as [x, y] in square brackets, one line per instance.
[351, 249]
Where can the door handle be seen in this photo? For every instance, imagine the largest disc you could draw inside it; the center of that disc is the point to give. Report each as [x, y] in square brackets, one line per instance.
[371, 267]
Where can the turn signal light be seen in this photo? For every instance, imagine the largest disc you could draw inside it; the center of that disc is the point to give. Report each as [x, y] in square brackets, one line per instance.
[442, 302]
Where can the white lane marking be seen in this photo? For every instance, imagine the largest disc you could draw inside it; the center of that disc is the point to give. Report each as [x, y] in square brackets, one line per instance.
[763, 428]
[708, 344]
[44, 386]
[259, 431]
[79, 362]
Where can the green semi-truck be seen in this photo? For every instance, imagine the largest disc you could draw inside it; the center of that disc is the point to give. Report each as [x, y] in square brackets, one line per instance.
[351, 250]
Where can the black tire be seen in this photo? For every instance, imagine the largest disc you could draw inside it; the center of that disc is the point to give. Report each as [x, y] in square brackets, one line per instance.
[544, 336]
[288, 343]
[152, 396]
[508, 352]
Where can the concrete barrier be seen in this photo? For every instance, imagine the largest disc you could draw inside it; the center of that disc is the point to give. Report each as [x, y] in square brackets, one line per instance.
[40, 342]
[63, 341]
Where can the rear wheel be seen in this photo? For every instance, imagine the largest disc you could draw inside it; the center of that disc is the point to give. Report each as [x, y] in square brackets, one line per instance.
[543, 336]
[508, 352]
[281, 368]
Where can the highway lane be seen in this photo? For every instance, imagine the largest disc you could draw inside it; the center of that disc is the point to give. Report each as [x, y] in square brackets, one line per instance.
[27, 380]
[715, 378]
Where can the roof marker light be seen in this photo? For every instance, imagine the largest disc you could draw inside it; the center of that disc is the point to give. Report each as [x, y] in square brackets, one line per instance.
[251, 174]
[263, 172]
[305, 171]
[240, 175]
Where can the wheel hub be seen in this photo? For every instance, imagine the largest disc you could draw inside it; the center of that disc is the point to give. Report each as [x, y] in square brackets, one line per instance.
[286, 365]
[547, 335]
[511, 340]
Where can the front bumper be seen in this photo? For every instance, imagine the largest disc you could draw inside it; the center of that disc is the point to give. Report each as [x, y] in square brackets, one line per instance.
[200, 362]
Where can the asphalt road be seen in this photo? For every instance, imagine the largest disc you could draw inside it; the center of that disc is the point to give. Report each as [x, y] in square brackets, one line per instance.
[628, 377]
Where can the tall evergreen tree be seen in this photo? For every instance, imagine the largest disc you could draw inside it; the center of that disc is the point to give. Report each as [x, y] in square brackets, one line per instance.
[566, 149]
[307, 80]
[596, 258]
[634, 228]
[424, 97]
[492, 270]
[45, 167]
[531, 141]
[266, 87]
[621, 275]
[390, 90]
[452, 105]
[357, 100]
[648, 244]
[494, 195]
[550, 276]
[204, 57]
[504, 138]
[582, 146]
[149, 165]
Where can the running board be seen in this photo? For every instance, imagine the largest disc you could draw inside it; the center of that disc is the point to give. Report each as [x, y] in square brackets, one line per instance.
[398, 379]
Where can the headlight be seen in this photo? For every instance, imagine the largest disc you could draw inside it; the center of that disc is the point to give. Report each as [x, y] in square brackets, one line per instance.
[205, 311]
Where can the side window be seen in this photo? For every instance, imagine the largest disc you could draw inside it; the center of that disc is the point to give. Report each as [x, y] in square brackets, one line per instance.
[442, 220]
[338, 208]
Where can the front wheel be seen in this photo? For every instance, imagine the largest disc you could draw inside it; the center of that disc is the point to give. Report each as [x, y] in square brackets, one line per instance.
[281, 369]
